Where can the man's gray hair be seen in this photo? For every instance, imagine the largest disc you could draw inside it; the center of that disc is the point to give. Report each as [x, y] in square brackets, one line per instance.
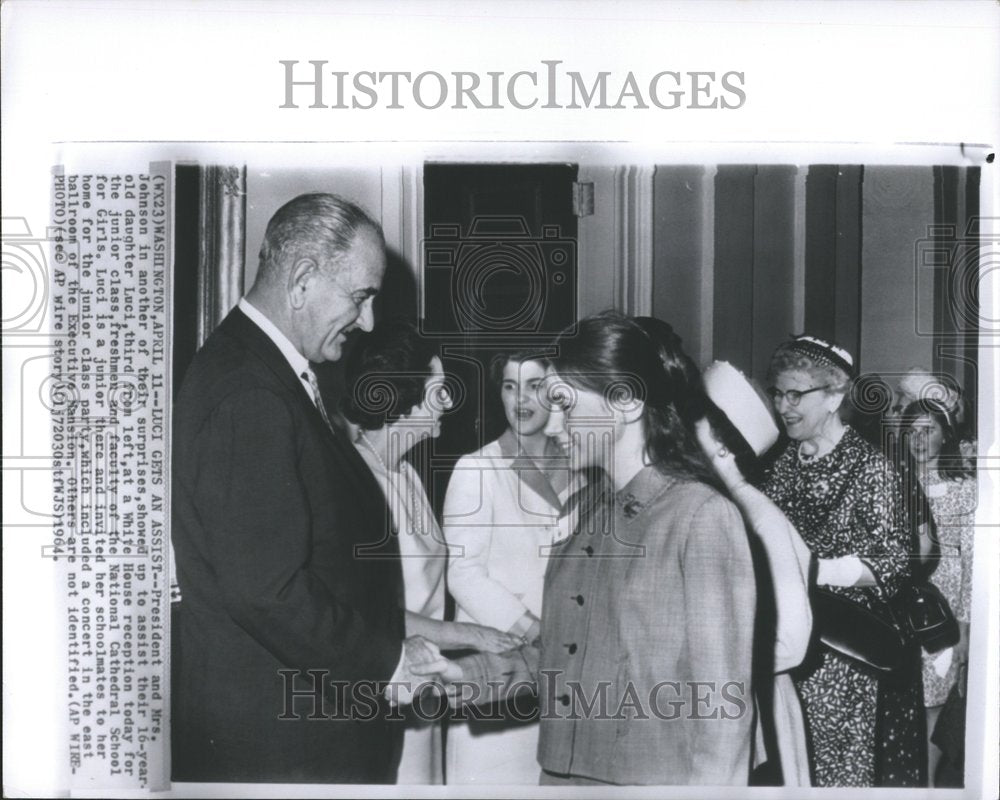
[319, 225]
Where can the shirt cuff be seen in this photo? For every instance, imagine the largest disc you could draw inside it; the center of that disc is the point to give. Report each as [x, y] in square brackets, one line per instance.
[523, 624]
[397, 676]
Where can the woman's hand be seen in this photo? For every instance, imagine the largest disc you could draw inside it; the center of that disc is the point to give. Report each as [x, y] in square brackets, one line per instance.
[444, 670]
[450, 680]
[460, 635]
[483, 638]
[470, 636]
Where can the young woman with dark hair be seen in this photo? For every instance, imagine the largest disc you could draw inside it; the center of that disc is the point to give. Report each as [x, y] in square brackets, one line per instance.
[643, 665]
[500, 520]
[935, 444]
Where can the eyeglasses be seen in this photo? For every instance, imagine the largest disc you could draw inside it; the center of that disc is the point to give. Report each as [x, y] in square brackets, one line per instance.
[793, 396]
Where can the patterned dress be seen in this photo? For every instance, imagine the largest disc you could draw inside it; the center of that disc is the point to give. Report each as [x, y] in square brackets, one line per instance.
[848, 503]
[953, 503]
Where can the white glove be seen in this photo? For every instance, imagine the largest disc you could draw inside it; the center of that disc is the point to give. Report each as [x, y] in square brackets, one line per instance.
[843, 571]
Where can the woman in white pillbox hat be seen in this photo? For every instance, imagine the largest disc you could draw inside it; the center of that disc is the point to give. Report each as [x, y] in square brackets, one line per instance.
[736, 430]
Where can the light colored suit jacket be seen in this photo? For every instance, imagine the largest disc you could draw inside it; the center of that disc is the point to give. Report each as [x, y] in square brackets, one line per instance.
[500, 521]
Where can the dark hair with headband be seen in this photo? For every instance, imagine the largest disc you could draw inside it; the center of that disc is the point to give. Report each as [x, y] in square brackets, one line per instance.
[951, 463]
[823, 360]
[616, 357]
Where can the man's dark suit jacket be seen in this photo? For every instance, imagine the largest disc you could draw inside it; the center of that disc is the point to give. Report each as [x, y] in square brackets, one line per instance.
[269, 507]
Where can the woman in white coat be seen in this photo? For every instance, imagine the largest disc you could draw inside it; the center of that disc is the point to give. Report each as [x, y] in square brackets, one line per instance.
[736, 429]
[500, 520]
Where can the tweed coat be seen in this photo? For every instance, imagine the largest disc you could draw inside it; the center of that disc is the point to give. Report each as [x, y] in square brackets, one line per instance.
[644, 664]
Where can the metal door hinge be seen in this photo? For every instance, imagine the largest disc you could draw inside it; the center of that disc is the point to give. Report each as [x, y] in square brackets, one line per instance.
[583, 198]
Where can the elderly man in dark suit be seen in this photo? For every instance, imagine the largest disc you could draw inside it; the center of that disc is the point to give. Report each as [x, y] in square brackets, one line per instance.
[291, 617]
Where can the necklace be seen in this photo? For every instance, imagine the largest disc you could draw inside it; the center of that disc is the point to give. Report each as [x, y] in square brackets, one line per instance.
[417, 521]
[415, 511]
[806, 457]
[375, 452]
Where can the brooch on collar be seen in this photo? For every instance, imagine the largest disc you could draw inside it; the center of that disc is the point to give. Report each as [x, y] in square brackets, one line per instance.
[630, 505]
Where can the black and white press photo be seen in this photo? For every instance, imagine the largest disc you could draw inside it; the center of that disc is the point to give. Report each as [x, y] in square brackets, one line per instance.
[486, 488]
[500, 399]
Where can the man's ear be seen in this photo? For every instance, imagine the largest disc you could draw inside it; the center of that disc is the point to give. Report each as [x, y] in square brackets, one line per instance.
[302, 273]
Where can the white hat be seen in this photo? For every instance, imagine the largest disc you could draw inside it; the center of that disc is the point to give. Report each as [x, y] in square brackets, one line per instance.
[919, 384]
[736, 397]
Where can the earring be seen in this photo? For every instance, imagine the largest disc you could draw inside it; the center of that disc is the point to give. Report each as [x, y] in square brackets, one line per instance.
[723, 452]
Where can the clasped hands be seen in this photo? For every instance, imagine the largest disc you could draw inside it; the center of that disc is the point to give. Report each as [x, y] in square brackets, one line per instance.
[425, 667]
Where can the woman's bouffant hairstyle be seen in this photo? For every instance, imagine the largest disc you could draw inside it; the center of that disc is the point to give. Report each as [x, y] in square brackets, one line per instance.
[386, 373]
[951, 463]
[691, 406]
[500, 361]
[618, 358]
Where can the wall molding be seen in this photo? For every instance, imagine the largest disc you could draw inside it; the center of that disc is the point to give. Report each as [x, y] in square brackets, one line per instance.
[633, 211]
[222, 251]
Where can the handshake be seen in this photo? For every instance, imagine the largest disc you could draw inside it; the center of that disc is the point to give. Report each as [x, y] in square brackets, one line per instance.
[425, 667]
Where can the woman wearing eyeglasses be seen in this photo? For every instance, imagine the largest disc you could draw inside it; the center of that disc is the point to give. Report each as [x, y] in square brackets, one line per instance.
[844, 499]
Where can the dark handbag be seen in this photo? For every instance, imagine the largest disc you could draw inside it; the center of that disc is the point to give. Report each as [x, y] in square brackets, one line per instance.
[861, 633]
[927, 615]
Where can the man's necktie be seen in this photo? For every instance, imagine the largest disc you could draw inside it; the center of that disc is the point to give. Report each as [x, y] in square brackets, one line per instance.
[310, 377]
